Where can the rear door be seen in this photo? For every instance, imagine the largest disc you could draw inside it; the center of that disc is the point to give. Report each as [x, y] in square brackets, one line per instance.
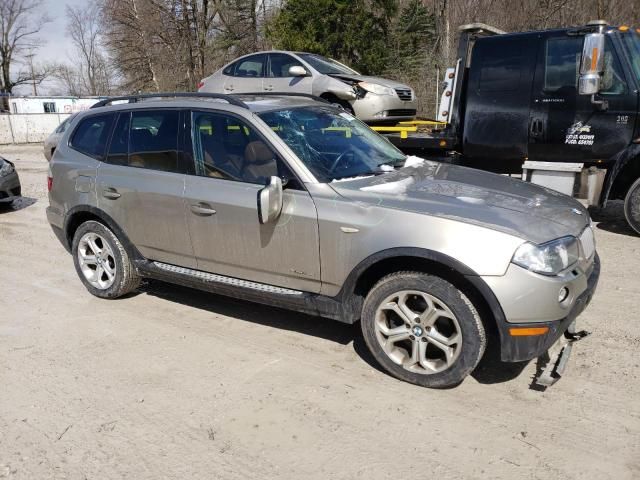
[246, 75]
[141, 185]
[278, 78]
[566, 126]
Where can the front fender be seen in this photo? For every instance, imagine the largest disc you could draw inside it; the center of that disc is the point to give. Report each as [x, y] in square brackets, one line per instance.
[619, 161]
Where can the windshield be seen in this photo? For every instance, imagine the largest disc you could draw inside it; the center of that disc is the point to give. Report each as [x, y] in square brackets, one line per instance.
[326, 66]
[332, 144]
[632, 42]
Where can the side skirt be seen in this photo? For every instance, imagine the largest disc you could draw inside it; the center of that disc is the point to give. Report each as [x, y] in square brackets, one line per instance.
[305, 302]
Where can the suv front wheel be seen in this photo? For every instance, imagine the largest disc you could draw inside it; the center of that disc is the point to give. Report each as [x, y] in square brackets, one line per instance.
[102, 262]
[422, 329]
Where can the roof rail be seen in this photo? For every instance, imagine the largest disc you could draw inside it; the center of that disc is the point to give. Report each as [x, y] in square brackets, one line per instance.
[283, 94]
[142, 96]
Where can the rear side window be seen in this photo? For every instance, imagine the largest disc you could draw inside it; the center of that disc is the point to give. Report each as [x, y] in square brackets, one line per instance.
[252, 66]
[146, 139]
[92, 134]
[499, 66]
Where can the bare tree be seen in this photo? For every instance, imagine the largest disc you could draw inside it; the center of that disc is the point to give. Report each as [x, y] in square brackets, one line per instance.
[20, 22]
[84, 29]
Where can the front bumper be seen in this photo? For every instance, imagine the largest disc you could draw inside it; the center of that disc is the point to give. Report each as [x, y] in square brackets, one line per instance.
[522, 348]
[10, 188]
[371, 108]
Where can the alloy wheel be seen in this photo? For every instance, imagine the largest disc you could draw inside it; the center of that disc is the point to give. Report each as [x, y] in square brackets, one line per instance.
[418, 331]
[97, 261]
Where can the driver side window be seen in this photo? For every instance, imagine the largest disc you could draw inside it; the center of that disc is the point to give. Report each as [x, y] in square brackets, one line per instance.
[562, 66]
[227, 148]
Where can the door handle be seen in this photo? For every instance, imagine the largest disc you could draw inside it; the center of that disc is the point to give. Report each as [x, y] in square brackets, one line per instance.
[111, 193]
[229, 88]
[202, 209]
[268, 88]
[536, 127]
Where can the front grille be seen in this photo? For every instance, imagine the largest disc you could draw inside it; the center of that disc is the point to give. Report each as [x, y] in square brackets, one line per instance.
[404, 94]
[402, 112]
[16, 192]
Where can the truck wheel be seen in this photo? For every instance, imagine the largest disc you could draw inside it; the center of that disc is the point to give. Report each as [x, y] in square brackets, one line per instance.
[101, 261]
[422, 329]
[632, 206]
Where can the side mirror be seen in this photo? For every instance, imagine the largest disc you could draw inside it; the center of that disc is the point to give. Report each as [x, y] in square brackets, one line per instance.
[592, 65]
[270, 201]
[297, 71]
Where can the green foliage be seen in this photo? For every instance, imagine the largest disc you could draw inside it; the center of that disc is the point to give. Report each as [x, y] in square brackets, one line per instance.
[356, 32]
[413, 36]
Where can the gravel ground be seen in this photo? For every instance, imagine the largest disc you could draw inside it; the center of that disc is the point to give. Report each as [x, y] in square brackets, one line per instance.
[174, 383]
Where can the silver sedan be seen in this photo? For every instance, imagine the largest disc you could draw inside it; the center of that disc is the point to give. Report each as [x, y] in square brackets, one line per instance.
[371, 99]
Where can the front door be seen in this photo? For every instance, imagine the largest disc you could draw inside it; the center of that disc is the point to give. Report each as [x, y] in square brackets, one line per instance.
[141, 185]
[232, 163]
[278, 78]
[568, 127]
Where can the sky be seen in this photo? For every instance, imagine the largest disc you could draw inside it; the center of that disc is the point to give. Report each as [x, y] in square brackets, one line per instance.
[56, 45]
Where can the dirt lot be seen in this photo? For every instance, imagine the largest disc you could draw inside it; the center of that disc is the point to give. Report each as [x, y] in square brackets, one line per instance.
[174, 383]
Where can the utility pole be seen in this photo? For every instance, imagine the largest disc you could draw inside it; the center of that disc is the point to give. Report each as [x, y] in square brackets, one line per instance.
[33, 78]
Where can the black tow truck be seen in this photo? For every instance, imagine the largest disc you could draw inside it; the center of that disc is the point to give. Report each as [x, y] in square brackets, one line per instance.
[566, 96]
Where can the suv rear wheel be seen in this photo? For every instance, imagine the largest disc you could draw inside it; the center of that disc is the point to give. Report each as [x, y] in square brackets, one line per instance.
[101, 261]
[422, 329]
[632, 206]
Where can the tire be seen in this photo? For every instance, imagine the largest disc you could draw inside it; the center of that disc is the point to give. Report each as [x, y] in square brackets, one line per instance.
[632, 206]
[423, 358]
[99, 248]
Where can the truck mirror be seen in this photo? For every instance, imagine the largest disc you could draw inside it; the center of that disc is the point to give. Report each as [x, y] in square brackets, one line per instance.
[592, 64]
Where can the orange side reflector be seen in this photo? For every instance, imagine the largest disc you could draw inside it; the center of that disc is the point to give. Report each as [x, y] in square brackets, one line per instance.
[594, 59]
[528, 332]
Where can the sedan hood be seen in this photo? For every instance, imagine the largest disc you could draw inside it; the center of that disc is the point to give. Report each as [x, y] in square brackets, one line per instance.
[522, 209]
[364, 78]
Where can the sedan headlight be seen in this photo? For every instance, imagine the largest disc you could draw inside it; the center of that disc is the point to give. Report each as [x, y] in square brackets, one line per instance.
[376, 88]
[549, 258]
[5, 168]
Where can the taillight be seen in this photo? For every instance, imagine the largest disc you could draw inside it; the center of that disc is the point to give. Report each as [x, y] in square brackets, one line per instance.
[49, 183]
[200, 85]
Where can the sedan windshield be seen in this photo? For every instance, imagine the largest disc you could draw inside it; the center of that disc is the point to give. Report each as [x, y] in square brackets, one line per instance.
[326, 66]
[332, 144]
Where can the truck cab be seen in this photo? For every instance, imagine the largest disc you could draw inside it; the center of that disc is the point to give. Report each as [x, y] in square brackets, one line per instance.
[563, 95]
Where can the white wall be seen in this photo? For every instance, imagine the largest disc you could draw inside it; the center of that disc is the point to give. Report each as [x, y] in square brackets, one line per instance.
[62, 104]
[28, 128]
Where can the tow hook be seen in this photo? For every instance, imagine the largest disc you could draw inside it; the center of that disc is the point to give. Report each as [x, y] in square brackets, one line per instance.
[557, 357]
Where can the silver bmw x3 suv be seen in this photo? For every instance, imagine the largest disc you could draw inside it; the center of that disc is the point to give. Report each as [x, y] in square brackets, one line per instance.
[289, 201]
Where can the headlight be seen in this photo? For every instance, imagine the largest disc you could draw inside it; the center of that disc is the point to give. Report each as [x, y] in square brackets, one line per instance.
[549, 258]
[5, 168]
[377, 89]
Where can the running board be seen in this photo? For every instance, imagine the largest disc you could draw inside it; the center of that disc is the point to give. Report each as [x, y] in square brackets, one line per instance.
[221, 279]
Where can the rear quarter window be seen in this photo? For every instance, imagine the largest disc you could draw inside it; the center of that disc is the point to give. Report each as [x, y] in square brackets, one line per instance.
[92, 134]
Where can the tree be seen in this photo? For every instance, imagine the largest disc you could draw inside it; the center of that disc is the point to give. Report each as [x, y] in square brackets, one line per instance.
[94, 75]
[20, 22]
[355, 32]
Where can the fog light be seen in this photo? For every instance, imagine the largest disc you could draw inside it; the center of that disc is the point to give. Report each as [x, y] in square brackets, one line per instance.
[382, 114]
[564, 293]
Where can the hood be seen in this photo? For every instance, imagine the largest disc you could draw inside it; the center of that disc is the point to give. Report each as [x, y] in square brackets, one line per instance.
[364, 78]
[528, 211]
